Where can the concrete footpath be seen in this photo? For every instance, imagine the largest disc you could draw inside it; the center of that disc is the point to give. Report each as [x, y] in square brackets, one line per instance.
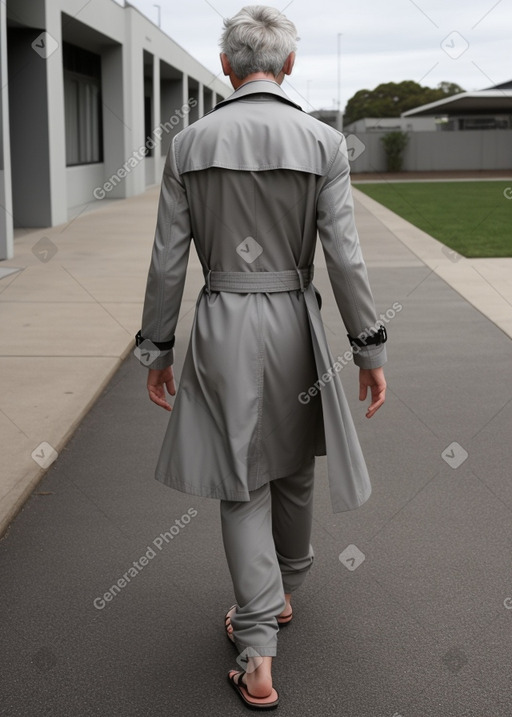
[407, 610]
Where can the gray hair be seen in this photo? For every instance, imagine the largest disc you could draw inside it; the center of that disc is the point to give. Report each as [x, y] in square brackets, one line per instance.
[258, 39]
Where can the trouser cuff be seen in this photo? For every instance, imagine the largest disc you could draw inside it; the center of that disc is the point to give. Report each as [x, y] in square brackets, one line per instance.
[246, 652]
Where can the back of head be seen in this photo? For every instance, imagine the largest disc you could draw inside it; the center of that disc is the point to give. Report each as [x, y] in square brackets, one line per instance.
[258, 39]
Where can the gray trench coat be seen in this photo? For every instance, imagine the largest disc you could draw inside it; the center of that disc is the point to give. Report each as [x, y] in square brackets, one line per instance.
[252, 182]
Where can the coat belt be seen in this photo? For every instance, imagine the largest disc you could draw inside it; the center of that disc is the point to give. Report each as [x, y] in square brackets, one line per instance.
[253, 282]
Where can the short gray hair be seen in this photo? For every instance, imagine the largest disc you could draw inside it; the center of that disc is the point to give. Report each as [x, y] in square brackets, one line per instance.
[258, 39]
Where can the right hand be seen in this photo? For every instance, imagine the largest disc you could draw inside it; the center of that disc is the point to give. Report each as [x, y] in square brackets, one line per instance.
[373, 379]
[157, 380]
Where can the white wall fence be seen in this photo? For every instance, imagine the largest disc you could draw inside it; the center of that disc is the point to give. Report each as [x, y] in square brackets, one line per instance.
[435, 151]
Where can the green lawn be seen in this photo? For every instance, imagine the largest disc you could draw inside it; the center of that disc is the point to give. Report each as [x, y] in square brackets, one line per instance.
[474, 218]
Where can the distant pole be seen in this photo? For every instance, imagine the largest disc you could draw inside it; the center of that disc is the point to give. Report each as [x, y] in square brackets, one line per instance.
[339, 123]
[307, 92]
[159, 13]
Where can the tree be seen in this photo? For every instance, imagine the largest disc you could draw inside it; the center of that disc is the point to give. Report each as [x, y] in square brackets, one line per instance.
[391, 99]
[450, 88]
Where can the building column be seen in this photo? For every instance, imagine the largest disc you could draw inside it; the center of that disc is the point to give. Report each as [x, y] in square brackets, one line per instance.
[133, 90]
[6, 224]
[200, 97]
[185, 98]
[157, 113]
[56, 117]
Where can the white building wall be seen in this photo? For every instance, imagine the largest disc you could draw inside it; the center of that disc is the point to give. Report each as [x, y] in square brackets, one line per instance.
[436, 151]
[81, 182]
[125, 34]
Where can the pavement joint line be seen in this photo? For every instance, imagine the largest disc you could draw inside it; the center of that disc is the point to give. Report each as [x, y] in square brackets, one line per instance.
[99, 303]
[491, 419]
[413, 412]
[402, 507]
[492, 287]
[432, 271]
[486, 485]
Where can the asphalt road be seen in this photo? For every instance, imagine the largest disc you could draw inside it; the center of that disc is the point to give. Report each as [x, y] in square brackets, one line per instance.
[413, 619]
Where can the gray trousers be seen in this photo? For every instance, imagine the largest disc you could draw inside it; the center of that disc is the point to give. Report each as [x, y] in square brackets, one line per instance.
[268, 551]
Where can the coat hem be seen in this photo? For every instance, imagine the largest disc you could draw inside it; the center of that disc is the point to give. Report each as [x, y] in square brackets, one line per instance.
[224, 494]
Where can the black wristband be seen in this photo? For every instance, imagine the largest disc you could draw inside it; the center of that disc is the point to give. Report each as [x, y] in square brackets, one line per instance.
[161, 345]
[380, 337]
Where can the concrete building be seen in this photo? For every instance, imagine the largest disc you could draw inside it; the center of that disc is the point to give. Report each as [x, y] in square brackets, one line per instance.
[483, 109]
[485, 142]
[391, 124]
[331, 117]
[91, 96]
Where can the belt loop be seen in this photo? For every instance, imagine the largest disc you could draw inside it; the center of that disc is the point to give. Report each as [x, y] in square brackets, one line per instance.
[301, 280]
[207, 282]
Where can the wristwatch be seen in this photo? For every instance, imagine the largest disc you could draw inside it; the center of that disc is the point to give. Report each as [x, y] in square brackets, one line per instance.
[161, 345]
[380, 337]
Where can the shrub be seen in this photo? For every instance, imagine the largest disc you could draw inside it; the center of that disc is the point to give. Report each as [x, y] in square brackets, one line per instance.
[394, 147]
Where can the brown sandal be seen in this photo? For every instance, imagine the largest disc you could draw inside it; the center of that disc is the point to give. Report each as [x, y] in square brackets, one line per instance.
[254, 703]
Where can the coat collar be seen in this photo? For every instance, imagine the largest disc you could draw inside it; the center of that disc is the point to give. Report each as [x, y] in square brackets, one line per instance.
[258, 87]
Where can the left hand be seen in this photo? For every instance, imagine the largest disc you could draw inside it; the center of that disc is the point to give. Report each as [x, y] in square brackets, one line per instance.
[157, 379]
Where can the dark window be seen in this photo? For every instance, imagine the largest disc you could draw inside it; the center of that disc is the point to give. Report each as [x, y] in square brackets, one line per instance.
[148, 129]
[82, 96]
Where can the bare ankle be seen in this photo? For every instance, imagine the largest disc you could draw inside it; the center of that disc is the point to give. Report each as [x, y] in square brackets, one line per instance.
[259, 676]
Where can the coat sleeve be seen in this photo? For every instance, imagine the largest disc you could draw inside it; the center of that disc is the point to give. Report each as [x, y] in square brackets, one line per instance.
[344, 260]
[168, 267]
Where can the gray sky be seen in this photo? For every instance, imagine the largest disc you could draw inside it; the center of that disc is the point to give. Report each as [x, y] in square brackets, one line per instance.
[381, 41]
